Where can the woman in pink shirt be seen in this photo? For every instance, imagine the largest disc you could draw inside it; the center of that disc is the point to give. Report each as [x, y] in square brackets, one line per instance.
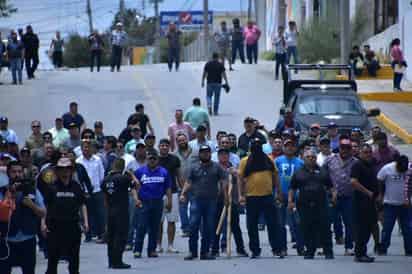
[252, 34]
[398, 64]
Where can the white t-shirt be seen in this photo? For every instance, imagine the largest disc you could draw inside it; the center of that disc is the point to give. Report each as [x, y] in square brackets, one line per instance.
[320, 160]
[394, 184]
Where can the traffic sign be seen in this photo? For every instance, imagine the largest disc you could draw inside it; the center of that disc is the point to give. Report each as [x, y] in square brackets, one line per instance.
[190, 21]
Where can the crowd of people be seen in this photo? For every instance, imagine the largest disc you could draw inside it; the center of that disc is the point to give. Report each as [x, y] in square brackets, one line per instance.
[73, 182]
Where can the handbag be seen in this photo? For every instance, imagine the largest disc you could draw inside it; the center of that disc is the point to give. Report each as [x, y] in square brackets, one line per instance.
[359, 64]
[399, 68]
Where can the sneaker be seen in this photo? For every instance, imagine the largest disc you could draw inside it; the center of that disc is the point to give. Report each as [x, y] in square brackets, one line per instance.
[100, 241]
[210, 110]
[159, 249]
[128, 248]
[382, 252]
[349, 252]
[329, 256]
[283, 254]
[261, 227]
[364, 259]
[137, 255]
[153, 255]
[185, 235]
[171, 249]
[255, 255]
[301, 252]
[207, 257]
[121, 266]
[309, 257]
[215, 253]
[190, 257]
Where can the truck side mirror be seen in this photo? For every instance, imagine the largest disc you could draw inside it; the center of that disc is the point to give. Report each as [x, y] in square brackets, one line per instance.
[373, 112]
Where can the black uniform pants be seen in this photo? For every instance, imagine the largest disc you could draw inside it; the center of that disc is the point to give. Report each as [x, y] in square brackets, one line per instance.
[116, 57]
[315, 228]
[235, 227]
[117, 232]
[95, 57]
[21, 254]
[63, 240]
[364, 221]
[254, 207]
[32, 61]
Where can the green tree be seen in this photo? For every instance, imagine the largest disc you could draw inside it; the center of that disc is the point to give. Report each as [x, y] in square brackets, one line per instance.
[6, 9]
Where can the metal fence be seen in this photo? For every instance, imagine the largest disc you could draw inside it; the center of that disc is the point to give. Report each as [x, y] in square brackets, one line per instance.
[197, 51]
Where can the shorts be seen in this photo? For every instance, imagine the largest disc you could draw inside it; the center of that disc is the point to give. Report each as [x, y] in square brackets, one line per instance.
[173, 215]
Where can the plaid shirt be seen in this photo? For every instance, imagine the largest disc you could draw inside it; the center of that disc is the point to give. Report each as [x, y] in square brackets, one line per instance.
[340, 173]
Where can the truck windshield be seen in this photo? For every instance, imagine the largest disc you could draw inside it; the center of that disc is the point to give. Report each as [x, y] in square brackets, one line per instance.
[326, 104]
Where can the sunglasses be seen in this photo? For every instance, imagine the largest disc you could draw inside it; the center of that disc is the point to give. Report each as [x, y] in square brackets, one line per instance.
[36, 126]
[152, 158]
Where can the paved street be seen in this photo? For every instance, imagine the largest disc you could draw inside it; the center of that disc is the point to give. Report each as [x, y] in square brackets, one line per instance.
[111, 97]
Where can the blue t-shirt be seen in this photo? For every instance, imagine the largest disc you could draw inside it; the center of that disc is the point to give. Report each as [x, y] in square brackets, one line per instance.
[154, 183]
[286, 168]
[68, 119]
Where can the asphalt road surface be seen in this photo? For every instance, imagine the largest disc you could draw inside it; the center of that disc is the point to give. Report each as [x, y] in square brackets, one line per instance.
[110, 97]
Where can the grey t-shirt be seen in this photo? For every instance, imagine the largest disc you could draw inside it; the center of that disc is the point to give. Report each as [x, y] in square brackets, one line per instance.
[394, 184]
[205, 180]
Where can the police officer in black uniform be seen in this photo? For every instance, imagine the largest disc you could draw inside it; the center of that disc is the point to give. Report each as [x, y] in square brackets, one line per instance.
[116, 189]
[312, 183]
[64, 201]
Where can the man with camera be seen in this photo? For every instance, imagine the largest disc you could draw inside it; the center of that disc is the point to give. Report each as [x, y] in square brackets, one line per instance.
[18, 235]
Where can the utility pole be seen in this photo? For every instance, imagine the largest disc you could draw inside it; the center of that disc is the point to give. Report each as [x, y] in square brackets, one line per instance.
[89, 15]
[249, 10]
[157, 41]
[121, 10]
[345, 39]
[206, 27]
[282, 13]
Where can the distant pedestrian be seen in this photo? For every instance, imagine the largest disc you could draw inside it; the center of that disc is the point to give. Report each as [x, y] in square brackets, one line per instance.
[119, 40]
[356, 61]
[365, 190]
[3, 50]
[142, 120]
[371, 61]
[73, 116]
[252, 34]
[173, 37]
[214, 71]
[237, 41]
[222, 38]
[291, 36]
[179, 126]
[96, 49]
[31, 54]
[196, 116]
[56, 46]
[279, 42]
[398, 64]
[15, 53]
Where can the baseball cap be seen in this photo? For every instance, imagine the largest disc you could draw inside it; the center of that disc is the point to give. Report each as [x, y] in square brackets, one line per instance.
[315, 126]
[249, 120]
[152, 153]
[288, 141]
[204, 148]
[356, 129]
[274, 134]
[59, 119]
[140, 144]
[98, 124]
[345, 142]
[324, 140]
[223, 150]
[119, 24]
[332, 125]
[150, 136]
[72, 125]
[289, 132]
[309, 152]
[3, 119]
[25, 150]
[64, 162]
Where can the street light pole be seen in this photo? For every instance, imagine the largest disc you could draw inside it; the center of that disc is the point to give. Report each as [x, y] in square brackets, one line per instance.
[206, 27]
[89, 15]
[157, 41]
[345, 38]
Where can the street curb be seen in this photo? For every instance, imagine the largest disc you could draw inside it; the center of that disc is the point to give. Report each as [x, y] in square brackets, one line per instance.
[395, 128]
[393, 97]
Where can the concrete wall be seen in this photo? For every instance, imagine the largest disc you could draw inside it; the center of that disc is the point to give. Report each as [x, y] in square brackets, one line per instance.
[405, 21]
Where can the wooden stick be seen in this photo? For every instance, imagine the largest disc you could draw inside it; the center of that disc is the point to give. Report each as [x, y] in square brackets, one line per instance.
[221, 220]
[229, 220]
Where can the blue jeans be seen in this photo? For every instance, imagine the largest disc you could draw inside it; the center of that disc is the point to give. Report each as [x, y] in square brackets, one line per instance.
[173, 56]
[213, 90]
[133, 220]
[202, 212]
[397, 79]
[280, 62]
[390, 214]
[16, 69]
[292, 220]
[343, 210]
[238, 47]
[150, 215]
[356, 71]
[252, 53]
[293, 51]
[184, 214]
[372, 67]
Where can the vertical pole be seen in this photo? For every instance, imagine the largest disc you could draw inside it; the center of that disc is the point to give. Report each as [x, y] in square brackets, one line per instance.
[249, 10]
[157, 41]
[345, 39]
[206, 28]
[89, 15]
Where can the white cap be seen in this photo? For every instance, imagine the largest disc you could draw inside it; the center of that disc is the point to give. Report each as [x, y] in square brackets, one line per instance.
[119, 24]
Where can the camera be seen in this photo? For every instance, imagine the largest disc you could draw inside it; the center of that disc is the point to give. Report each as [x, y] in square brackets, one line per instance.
[26, 186]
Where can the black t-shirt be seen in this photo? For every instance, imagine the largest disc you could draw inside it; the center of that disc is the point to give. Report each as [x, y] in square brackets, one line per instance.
[244, 141]
[312, 186]
[116, 187]
[214, 70]
[63, 202]
[205, 180]
[171, 163]
[142, 120]
[366, 175]
[125, 136]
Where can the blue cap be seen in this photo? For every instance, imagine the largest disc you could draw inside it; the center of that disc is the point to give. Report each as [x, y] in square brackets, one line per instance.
[332, 125]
